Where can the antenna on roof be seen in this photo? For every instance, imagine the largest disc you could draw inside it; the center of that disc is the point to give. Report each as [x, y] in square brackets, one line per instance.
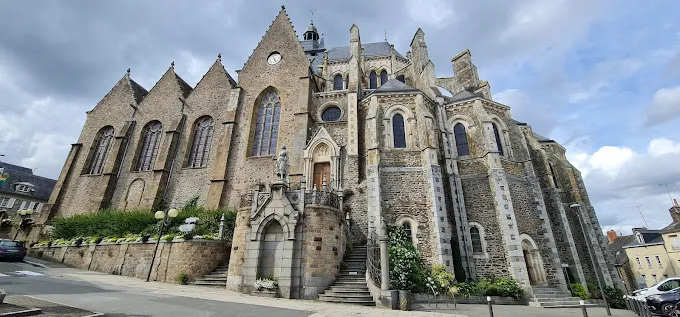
[643, 217]
[385, 35]
[312, 16]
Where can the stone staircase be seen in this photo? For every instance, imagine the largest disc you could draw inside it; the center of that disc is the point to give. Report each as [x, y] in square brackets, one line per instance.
[216, 278]
[350, 286]
[548, 297]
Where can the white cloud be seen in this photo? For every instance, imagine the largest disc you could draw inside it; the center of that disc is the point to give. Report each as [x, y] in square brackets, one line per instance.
[665, 106]
[619, 178]
[434, 13]
[604, 76]
[540, 116]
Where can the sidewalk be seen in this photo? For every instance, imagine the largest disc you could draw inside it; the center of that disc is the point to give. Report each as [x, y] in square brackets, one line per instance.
[319, 309]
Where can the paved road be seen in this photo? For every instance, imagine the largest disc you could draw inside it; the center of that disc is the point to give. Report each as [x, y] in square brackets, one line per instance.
[26, 279]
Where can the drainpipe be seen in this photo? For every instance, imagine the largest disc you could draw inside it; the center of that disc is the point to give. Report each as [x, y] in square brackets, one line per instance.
[670, 262]
[174, 155]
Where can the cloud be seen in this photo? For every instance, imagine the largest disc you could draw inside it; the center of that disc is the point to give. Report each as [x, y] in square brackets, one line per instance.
[665, 106]
[525, 110]
[434, 13]
[622, 178]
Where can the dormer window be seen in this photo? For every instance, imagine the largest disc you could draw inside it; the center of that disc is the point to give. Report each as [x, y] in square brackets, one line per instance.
[24, 188]
[639, 238]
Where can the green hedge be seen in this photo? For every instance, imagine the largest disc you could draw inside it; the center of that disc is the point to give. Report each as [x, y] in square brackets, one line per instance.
[116, 223]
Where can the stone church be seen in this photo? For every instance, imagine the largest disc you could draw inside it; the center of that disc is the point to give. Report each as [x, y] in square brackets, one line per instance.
[369, 140]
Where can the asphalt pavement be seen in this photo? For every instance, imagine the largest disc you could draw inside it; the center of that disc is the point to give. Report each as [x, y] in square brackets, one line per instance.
[113, 300]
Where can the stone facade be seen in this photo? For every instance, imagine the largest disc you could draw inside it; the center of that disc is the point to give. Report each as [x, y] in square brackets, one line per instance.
[365, 125]
[194, 258]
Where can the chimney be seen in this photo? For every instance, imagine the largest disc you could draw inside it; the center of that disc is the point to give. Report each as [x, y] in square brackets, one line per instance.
[675, 211]
[611, 235]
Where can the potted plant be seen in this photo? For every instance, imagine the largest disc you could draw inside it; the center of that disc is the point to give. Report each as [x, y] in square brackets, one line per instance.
[265, 287]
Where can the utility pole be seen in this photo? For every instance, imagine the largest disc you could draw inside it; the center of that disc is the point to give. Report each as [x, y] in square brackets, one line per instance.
[641, 215]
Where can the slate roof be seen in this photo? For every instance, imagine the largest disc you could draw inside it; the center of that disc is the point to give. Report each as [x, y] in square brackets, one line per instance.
[673, 227]
[394, 85]
[462, 95]
[186, 88]
[138, 91]
[20, 174]
[649, 236]
[370, 50]
[617, 248]
[541, 138]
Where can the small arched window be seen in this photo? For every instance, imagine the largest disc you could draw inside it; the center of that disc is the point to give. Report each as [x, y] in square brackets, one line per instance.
[401, 78]
[267, 125]
[383, 77]
[476, 239]
[497, 135]
[102, 145]
[200, 146]
[408, 230]
[461, 139]
[337, 82]
[347, 81]
[554, 176]
[151, 141]
[372, 80]
[398, 131]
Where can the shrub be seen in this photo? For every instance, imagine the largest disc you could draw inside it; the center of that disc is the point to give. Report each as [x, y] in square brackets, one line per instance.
[182, 278]
[577, 290]
[615, 297]
[505, 287]
[593, 289]
[440, 279]
[406, 270]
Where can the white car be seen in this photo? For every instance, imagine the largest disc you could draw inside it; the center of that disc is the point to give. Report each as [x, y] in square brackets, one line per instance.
[658, 288]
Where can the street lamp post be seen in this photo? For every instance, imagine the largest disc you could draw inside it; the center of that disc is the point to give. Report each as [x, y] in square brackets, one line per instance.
[164, 218]
[576, 207]
[25, 213]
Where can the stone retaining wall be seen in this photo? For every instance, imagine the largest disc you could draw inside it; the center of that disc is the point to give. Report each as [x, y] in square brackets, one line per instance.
[496, 300]
[195, 258]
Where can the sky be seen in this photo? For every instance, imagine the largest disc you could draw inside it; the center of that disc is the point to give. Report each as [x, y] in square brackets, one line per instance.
[600, 77]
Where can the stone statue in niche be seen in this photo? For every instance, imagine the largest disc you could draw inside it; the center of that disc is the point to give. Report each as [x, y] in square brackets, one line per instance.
[282, 164]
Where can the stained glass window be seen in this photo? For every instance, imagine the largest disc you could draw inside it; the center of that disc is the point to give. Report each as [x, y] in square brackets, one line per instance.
[151, 141]
[461, 139]
[398, 131]
[499, 144]
[383, 77]
[373, 80]
[476, 240]
[200, 146]
[337, 82]
[103, 143]
[331, 114]
[267, 125]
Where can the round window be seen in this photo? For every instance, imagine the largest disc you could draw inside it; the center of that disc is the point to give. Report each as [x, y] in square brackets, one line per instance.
[331, 114]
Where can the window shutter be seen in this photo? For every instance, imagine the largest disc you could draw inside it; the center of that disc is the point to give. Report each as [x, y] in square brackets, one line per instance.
[31, 205]
[11, 203]
[23, 204]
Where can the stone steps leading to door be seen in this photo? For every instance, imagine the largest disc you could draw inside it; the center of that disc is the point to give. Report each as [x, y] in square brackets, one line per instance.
[216, 278]
[350, 285]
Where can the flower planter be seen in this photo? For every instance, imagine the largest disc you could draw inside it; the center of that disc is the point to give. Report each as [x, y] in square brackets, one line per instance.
[273, 293]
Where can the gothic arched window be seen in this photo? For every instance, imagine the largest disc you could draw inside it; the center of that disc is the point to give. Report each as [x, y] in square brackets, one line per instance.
[461, 139]
[347, 81]
[398, 131]
[383, 77]
[103, 143]
[496, 135]
[200, 145]
[476, 240]
[554, 176]
[151, 141]
[267, 125]
[372, 80]
[408, 230]
[337, 82]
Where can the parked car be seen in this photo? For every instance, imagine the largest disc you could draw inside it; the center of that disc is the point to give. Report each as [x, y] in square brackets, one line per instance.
[12, 250]
[658, 288]
[665, 302]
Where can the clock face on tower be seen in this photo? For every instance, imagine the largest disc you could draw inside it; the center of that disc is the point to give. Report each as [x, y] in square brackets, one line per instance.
[274, 58]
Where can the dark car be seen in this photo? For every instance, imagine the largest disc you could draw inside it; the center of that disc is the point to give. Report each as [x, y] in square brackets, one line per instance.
[663, 303]
[12, 250]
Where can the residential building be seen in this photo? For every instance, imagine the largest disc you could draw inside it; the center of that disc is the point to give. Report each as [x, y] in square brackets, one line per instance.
[21, 189]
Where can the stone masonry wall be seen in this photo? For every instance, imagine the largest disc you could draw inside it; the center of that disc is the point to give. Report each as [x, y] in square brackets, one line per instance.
[195, 258]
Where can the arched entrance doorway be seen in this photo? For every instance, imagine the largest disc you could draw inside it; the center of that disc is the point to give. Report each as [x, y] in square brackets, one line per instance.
[271, 254]
[534, 263]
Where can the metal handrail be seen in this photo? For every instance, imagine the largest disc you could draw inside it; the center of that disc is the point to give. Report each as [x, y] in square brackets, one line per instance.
[373, 258]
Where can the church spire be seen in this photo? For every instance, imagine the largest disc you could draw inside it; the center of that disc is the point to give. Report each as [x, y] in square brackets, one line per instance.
[312, 33]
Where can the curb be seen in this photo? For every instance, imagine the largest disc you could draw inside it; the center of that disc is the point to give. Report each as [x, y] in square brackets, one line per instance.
[22, 313]
[36, 264]
[95, 315]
